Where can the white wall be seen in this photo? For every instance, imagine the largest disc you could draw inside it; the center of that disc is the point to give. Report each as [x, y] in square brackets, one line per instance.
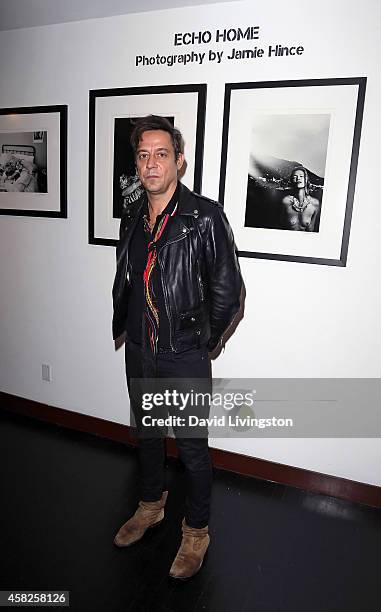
[56, 289]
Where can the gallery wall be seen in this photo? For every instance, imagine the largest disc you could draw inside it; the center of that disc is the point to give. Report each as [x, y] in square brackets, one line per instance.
[302, 320]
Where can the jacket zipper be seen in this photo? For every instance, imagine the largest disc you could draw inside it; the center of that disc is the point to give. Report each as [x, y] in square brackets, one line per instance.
[200, 285]
[166, 301]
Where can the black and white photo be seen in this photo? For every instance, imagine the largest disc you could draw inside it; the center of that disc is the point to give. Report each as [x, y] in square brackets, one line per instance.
[286, 171]
[23, 165]
[33, 150]
[288, 167]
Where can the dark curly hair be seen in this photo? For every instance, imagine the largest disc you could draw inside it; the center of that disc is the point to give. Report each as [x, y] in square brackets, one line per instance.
[154, 122]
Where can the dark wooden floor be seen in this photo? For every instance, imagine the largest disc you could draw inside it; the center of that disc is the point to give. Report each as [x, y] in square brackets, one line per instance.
[273, 548]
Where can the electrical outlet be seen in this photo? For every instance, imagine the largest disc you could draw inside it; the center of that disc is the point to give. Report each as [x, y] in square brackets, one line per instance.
[46, 374]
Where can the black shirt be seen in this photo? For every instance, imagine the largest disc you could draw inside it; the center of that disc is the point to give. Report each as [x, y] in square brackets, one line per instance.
[138, 253]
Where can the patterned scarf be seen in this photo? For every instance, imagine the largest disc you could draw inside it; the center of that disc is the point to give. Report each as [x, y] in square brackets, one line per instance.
[151, 314]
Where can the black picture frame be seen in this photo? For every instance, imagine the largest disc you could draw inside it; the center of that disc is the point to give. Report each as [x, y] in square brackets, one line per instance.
[342, 99]
[48, 195]
[185, 104]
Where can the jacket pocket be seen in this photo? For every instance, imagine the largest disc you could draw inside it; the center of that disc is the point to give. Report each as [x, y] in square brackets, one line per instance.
[190, 319]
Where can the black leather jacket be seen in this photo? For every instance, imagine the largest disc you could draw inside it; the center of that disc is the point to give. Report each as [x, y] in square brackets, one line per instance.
[199, 269]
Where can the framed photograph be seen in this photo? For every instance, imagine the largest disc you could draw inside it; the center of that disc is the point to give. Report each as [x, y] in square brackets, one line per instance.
[113, 181]
[33, 161]
[288, 167]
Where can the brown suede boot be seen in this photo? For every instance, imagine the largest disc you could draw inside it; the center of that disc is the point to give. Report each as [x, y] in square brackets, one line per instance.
[148, 514]
[191, 552]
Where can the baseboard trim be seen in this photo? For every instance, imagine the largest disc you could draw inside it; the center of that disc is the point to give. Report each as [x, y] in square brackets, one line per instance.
[343, 488]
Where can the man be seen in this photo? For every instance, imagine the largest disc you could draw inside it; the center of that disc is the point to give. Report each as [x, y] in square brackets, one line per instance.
[176, 291]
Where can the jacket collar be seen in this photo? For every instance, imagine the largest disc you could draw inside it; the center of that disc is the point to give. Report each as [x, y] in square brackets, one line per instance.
[187, 206]
[187, 203]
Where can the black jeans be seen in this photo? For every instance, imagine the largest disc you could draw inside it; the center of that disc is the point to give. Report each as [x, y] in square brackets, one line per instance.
[194, 452]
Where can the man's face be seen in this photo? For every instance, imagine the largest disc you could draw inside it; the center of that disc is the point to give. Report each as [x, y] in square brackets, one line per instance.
[298, 179]
[156, 163]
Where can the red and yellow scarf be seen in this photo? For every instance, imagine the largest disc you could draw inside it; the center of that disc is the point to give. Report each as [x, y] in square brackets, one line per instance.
[151, 314]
